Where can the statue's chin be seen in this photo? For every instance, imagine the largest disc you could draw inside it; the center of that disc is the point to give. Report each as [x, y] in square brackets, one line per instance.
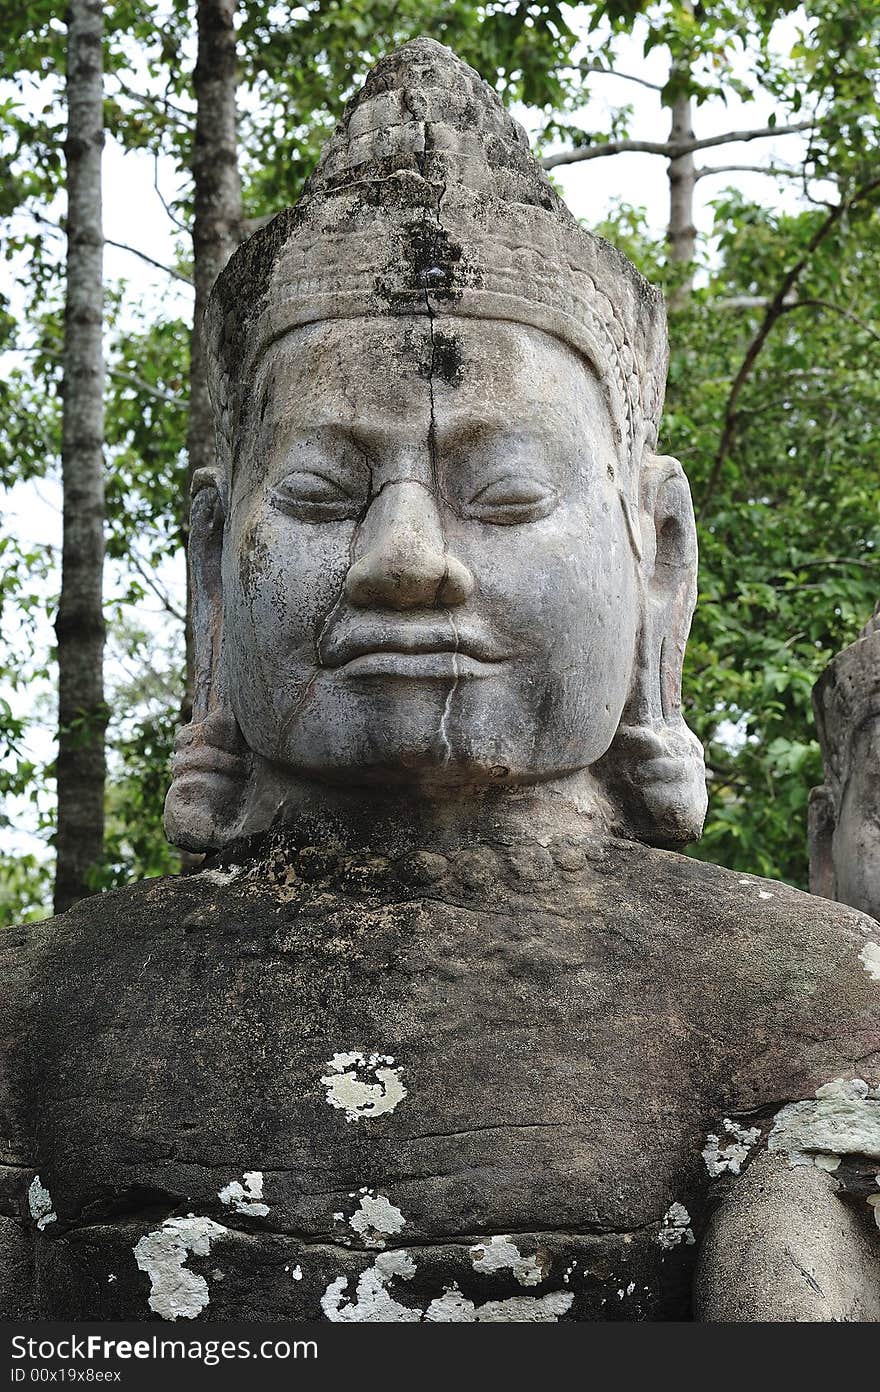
[438, 770]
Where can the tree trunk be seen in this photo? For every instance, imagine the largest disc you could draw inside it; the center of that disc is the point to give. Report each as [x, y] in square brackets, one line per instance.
[80, 623]
[682, 235]
[217, 227]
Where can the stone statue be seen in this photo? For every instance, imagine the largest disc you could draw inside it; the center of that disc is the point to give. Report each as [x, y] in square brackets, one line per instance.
[444, 1030]
[844, 821]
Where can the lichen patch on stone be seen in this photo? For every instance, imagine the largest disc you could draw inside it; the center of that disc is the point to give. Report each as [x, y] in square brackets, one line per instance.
[454, 1308]
[175, 1292]
[363, 1085]
[245, 1195]
[376, 1219]
[373, 1303]
[732, 1155]
[676, 1228]
[870, 959]
[844, 1119]
[221, 877]
[40, 1203]
[502, 1254]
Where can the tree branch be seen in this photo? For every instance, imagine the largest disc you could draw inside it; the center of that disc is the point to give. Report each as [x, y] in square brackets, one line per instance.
[149, 580]
[624, 77]
[151, 261]
[667, 148]
[184, 118]
[169, 270]
[740, 302]
[777, 306]
[156, 392]
[176, 220]
[777, 171]
[108, 241]
[837, 309]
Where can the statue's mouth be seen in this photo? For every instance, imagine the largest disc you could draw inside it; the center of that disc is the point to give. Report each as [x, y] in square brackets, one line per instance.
[411, 652]
[437, 666]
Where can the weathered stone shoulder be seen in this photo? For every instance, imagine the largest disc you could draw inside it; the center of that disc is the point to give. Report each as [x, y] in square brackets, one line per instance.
[794, 976]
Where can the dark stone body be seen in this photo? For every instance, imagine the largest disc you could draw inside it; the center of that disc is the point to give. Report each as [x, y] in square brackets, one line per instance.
[569, 1021]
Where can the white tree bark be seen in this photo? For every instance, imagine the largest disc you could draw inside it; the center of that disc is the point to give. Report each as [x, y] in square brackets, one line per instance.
[217, 222]
[80, 622]
[682, 234]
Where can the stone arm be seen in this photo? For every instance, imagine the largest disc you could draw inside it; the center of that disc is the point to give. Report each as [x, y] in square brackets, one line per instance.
[17, 1226]
[783, 1245]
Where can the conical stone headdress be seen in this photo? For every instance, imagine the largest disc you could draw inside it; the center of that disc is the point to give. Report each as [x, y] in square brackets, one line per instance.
[427, 200]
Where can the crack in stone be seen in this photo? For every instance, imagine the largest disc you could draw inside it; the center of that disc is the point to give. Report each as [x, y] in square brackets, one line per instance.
[810, 1280]
[443, 728]
[303, 1239]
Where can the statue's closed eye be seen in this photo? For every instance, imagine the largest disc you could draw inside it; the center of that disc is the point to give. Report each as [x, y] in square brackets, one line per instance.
[513, 499]
[314, 497]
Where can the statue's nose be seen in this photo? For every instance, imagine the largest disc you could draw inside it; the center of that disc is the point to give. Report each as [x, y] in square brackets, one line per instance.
[405, 563]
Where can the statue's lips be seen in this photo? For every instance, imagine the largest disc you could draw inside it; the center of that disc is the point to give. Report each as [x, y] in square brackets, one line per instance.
[443, 666]
[419, 655]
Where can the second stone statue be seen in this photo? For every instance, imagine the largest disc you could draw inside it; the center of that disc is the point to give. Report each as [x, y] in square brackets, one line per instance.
[446, 1030]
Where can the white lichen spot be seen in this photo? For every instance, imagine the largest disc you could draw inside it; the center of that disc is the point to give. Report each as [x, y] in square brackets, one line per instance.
[339, 1217]
[376, 1219]
[363, 1085]
[733, 1155]
[296, 1274]
[221, 877]
[874, 1202]
[112, 1276]
[175, 1292]
[454, 1308]
[870, 959]
[676, 1228]
[843, 1120]
[245, 1197]
[451, 1308]
[372, 1303]
[40, 1202]
[502, 1254]
[764, 894]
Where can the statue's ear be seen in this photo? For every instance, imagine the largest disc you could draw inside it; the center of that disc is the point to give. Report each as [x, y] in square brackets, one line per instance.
[204, 559]
[211, 762]
[654, 770]
[820, 838]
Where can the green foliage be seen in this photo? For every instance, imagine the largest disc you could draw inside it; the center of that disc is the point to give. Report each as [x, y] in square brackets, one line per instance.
[789, 529]
[790, 534]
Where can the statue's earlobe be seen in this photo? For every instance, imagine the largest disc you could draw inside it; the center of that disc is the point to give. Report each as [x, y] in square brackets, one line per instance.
[655, 770]
[211, 762]
[820, 836]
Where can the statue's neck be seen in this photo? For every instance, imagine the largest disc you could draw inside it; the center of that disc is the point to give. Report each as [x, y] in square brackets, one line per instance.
[372, 816]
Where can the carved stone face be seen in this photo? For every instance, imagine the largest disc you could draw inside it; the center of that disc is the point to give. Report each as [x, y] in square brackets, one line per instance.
[427, 574]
